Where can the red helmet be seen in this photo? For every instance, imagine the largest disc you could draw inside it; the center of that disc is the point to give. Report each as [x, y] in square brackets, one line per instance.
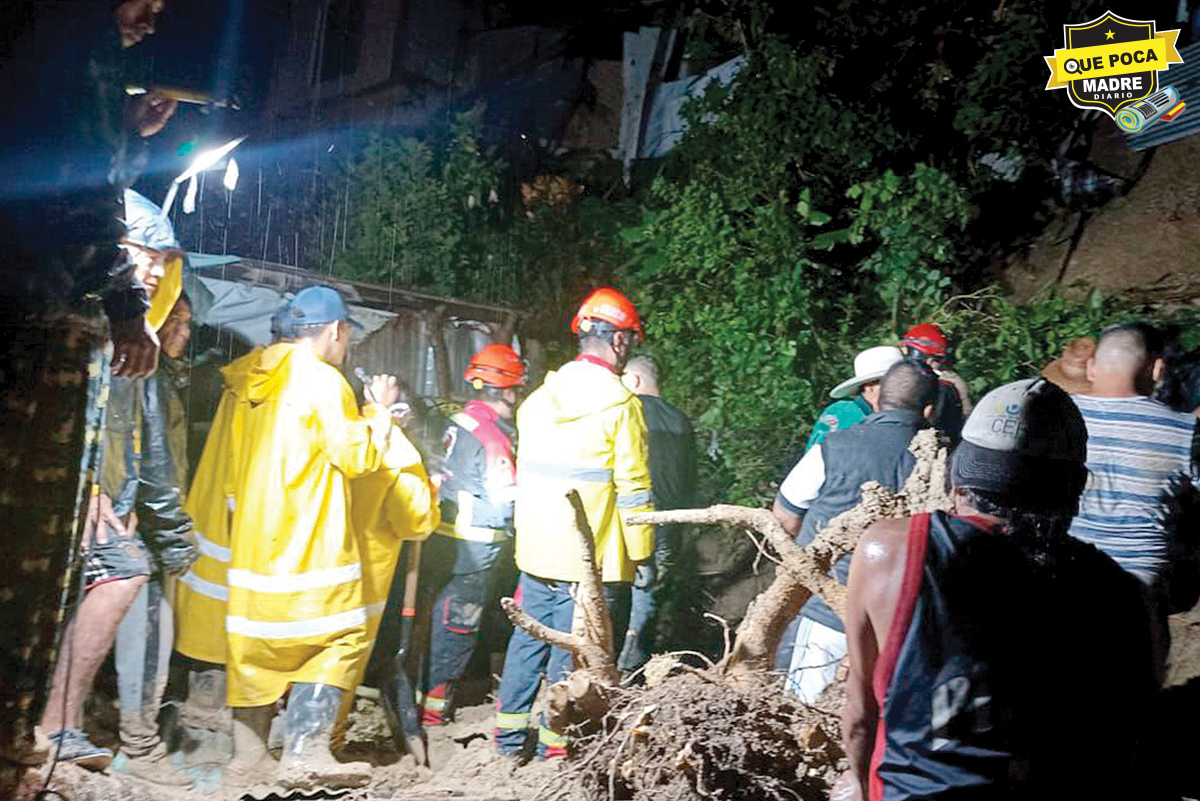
[495, 366]
[610, 306]
[927, 338]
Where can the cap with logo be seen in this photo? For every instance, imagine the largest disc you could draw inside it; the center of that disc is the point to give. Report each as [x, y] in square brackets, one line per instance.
[1025, 442]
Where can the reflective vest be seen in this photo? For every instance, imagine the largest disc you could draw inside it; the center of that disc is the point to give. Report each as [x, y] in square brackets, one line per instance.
[478, 477]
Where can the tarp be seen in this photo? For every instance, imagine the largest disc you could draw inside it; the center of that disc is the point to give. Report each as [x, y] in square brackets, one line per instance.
[652, 130]
[246, 309]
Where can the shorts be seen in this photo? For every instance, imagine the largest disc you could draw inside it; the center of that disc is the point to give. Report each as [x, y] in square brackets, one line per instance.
[122, 557]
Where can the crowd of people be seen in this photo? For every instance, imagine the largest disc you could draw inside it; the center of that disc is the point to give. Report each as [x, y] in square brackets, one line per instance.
[980, 640]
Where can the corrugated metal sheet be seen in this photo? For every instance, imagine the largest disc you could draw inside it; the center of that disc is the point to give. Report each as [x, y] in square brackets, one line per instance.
[1185, 78]
[403, 347]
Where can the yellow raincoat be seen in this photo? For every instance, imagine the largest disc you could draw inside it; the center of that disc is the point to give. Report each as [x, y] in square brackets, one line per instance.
[387, 507]
[393, 504]
[296, 611]
[202, 593]
[581, 429]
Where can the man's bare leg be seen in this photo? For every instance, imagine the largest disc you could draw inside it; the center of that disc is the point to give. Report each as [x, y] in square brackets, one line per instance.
[89, 638]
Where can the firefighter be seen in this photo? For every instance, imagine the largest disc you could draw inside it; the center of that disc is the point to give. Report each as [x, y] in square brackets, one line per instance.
[582, 429]
[478, 487]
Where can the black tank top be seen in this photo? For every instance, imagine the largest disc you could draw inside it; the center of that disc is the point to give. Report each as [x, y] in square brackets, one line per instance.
[1010, 666]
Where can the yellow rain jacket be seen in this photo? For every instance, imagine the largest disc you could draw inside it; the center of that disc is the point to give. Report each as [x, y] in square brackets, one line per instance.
[394, 504]
[202, 593]
[581, 429]
[296, 611]
[387, 507]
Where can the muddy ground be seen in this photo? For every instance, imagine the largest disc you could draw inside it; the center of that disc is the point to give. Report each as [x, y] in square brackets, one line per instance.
[464, 768]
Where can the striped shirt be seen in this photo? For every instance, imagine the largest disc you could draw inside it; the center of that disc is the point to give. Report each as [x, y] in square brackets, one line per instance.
[1134, 445]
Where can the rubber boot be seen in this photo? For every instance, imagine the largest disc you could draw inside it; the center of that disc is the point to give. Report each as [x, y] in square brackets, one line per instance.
[251, 762]
[143, 653]
[308, 763]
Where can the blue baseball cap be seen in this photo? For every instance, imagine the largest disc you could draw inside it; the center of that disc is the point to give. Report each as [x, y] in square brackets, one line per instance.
[316, 305]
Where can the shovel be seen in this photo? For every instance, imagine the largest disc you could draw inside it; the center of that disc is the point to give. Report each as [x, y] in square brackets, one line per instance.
[399, 703]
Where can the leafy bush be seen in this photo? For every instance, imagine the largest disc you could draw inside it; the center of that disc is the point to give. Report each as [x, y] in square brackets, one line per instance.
[829, 198]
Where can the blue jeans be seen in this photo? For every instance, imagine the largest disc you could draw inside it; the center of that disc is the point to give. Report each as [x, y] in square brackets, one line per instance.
[552, 604]
[644, 601]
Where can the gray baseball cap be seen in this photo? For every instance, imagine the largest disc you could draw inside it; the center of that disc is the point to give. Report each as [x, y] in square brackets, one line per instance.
[1025, 442]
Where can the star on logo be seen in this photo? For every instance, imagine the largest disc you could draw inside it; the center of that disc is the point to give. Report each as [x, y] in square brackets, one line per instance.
[1108, 34]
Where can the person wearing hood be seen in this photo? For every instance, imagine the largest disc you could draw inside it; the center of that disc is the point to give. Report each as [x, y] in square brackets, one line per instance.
[297, 619]
[582, 430]
[143, 538]
[202, 593]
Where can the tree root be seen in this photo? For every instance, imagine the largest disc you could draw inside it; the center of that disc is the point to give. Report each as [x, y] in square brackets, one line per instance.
[727, 731]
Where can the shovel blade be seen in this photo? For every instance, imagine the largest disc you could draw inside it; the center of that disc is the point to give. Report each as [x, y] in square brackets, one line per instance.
[400, 708]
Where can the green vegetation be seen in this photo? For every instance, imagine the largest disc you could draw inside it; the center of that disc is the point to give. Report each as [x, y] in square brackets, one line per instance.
[835, 194]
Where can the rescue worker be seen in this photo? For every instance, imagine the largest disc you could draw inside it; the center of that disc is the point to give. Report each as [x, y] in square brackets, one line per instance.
[478, 487]
[202, 593]
[673, 471]
[391, 506]
[297, 619]
[927, 344]
[855, 398]
[582, 429]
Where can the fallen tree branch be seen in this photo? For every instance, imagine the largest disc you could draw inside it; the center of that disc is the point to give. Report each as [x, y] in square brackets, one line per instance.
[805, 571]
[521, 619]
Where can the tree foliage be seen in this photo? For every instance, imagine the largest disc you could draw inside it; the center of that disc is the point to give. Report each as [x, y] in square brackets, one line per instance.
[832, 196]
[421, 209]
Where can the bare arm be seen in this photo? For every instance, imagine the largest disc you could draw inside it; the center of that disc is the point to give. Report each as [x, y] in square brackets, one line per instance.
[876, 573]
[789, 520]
[799, 489]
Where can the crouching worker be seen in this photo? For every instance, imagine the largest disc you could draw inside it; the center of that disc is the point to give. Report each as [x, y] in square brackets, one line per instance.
[478, 488]
[982, 639]
[297, 619]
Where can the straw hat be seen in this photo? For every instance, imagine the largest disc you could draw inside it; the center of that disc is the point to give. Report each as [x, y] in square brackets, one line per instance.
[1069, 371]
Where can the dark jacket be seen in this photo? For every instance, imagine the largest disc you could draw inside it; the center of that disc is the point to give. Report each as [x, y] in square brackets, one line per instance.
[874, 450]
[478, 475]
[145, 465]
[672, 454]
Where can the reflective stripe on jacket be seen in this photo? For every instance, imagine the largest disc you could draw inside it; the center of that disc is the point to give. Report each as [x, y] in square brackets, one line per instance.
[203, 592]
[582, 429]
[297, 612]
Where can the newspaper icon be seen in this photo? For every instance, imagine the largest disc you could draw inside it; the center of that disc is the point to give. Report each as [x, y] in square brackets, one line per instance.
[1163, 104]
